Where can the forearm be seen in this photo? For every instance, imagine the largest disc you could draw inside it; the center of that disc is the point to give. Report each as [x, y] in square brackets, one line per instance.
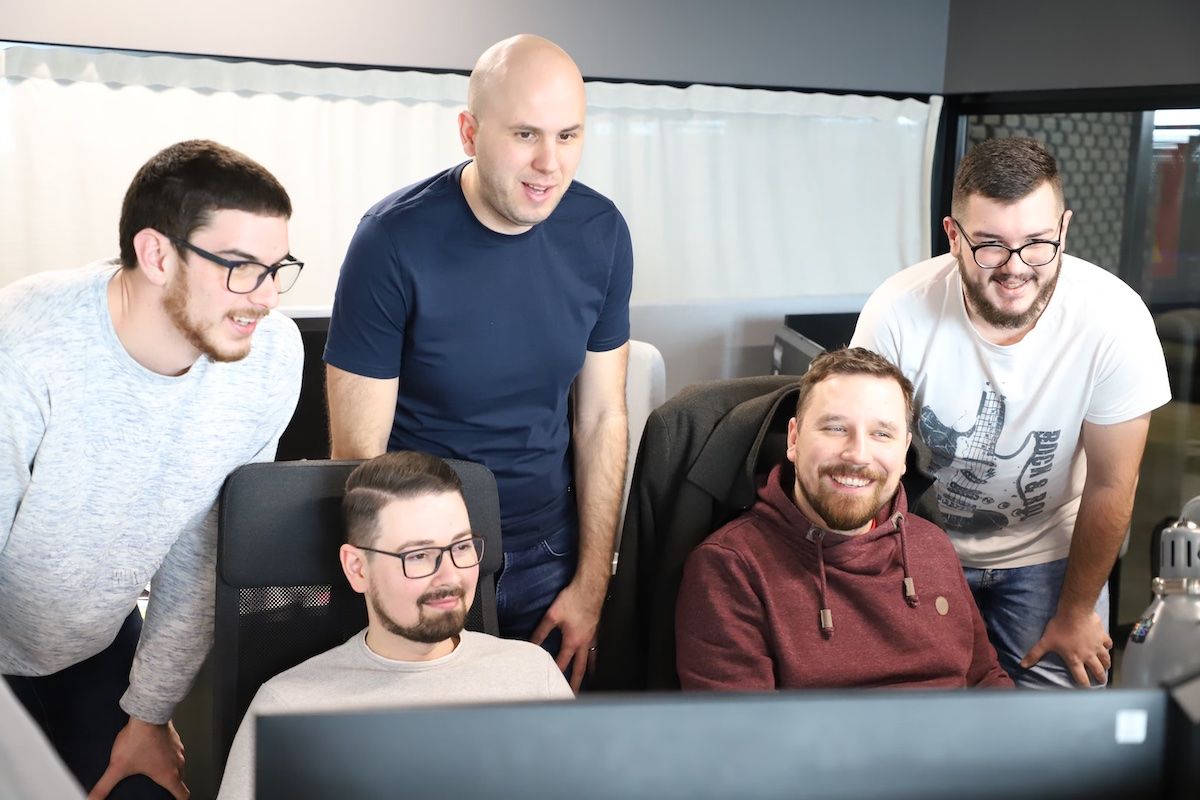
[178, 630]
[601, 450]
[1100, 528]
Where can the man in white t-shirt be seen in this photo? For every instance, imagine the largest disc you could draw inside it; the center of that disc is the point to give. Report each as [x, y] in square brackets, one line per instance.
[410, 550]
[1035, 374]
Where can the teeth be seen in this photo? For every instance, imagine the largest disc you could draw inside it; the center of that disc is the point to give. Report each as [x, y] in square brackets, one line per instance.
[853, 482]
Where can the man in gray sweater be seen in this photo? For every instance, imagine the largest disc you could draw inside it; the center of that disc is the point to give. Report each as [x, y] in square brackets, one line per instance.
[410, 550]
[131, 389]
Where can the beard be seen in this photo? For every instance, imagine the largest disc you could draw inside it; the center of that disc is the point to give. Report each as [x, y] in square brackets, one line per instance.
[197, 333]
[978, 301]
[842, 512]
[432, 626]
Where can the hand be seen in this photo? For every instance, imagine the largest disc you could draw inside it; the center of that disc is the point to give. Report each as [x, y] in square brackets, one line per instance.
[1081, 642]
[142, 748]
[575, 612]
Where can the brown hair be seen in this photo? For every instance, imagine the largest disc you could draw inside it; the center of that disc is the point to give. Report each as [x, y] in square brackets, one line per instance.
[1005, 170]
[391, 476]
[853, 361]
[179, 188]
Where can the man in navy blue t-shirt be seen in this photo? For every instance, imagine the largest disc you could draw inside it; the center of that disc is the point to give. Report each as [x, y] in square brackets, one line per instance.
[467, 307]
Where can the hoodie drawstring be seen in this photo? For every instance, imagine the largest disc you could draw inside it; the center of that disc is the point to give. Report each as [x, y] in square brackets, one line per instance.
[817, 535]
[910, 586]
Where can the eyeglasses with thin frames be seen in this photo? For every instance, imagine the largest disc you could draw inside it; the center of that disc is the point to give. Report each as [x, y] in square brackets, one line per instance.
[246, 276]
[1035, 253]
[421, 562]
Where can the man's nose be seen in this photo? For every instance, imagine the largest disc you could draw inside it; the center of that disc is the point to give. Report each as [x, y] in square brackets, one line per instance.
[546, 158]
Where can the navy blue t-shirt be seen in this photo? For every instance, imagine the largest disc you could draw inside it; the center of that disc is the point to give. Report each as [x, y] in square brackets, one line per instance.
[486, 331]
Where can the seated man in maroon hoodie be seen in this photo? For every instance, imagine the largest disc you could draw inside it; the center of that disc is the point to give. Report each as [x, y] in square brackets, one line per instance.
[828, 581]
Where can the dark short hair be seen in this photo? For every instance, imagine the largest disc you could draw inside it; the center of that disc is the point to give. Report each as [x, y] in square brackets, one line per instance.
[177, 191]
[392, 476]
[1005, 170]
[853, 361]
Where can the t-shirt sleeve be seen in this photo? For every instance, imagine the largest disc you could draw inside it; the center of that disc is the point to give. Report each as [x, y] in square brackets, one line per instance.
[1132, 372]
[612, 327]
[875, 327]
[370, 308]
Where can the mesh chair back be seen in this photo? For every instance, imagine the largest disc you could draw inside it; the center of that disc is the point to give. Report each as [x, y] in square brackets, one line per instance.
[281, 597]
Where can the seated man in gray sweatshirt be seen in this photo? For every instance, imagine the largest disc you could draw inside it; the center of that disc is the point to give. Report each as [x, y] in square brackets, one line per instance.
[410, 550]
[129, 390]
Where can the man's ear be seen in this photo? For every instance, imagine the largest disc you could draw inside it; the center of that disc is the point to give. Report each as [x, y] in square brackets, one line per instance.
[354, 566]
[468, 128]
[792, 431]
[1066, 223]
[951, 233]
[156, 257]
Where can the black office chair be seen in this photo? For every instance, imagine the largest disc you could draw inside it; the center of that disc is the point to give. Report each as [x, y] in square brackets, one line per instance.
[281, 597]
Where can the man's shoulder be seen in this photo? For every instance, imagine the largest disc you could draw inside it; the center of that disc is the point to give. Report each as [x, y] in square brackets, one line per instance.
[47, 308]
[484, 645]
[297, 683]
[742, 535]
[916, 282]
[582, 205]
[418, 202]
[1096, 289]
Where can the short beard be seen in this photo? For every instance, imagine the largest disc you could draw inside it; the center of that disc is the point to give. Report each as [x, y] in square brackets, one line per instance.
[845, 513]
[978, 302]
[175, 301]
[429, 629]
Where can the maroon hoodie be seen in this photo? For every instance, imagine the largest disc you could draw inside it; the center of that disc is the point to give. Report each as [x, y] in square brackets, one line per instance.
[750, 616]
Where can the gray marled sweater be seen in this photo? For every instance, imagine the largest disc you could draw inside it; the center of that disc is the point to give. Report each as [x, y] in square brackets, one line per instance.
[109, 475]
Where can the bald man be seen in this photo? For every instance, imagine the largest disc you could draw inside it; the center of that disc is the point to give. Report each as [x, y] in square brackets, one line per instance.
[468, 307]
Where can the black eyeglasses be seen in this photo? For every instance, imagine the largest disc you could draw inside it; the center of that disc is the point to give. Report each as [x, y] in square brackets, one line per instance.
[1036, 253]
[422, 562]
[246, 276]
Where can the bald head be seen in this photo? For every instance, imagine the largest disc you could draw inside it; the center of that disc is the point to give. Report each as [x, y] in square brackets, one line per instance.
[519, 65]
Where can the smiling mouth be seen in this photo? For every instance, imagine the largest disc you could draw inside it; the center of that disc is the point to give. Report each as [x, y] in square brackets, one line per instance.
[535, 189]
[851, 481]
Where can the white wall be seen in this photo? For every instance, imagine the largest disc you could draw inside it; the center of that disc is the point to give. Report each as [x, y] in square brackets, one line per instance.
[868, 45]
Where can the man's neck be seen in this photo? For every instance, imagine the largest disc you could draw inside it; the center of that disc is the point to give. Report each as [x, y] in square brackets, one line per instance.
[393, 647]
[143, 327]
[488, 218]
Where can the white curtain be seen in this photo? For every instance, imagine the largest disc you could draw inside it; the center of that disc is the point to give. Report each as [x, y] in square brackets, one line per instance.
[731, 195]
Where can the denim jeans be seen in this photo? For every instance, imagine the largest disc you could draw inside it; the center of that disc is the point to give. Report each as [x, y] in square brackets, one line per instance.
[531, 577]
[78, 709]
[1016, 605]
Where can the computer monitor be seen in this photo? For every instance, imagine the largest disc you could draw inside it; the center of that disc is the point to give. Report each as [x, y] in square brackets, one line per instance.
[793, 352]
[929, 745]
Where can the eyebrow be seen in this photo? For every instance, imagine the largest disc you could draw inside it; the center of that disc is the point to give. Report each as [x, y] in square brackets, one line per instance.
[993, 237]
[881, 423]
[415, 543]
[522, 127]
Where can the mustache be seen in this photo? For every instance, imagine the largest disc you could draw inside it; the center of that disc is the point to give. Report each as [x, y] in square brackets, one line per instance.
[842, 471]
[433, 595]
[250, 313]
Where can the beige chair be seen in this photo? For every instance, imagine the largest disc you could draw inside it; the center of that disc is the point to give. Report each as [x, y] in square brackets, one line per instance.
[645, 390]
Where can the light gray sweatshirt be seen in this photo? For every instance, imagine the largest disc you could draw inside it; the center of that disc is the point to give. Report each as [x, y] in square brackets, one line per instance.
[351, 677]
[109, 475]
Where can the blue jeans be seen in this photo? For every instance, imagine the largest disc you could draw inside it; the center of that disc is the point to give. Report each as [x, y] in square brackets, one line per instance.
[532, 576]
[1016, 605]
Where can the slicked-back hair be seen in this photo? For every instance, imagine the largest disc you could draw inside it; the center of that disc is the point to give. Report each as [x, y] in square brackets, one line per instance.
[178, 190]
[392, 476]
[853, 361]
[1004, 170]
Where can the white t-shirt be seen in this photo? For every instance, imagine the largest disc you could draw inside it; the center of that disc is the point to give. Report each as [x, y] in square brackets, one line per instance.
[1004, 423]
